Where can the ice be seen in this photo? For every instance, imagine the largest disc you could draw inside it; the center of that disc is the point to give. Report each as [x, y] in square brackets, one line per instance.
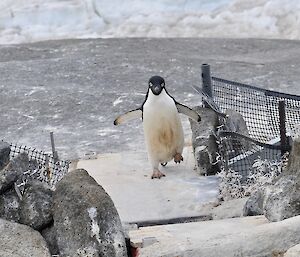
[36, 20]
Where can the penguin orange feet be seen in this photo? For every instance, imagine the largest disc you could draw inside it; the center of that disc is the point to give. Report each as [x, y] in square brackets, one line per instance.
[178, 158]
[157, 174]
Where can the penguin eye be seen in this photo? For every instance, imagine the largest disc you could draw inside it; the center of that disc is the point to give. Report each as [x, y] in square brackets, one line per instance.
[162, 84]
[150, 84]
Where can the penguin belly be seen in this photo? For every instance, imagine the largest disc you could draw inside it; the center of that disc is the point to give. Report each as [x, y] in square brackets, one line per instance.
[163, 132]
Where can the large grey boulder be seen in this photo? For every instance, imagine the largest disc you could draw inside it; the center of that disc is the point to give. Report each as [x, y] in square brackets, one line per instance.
[204, 141]
[49, 234]
[85, 218]
[9, 205]
[4, 154]
[283, 197]
[255, 204]
[18, 240]
[13, 171]
[36, 205]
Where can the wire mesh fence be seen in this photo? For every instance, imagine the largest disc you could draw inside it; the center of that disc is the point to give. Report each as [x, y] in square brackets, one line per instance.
[42, 166]
[259, 109]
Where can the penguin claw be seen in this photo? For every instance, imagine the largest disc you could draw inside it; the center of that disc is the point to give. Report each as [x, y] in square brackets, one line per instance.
[157, 174]
[164, 164]
[178, 158]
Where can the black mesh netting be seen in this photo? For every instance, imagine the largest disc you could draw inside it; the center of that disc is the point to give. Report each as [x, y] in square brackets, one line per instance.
[42, 166]
[259, 108]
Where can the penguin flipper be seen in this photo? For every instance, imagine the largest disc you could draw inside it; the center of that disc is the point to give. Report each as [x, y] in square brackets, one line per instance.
[134, 114]
[188, 112]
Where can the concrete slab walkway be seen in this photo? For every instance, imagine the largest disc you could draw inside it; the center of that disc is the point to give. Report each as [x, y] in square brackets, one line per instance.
[127, 179]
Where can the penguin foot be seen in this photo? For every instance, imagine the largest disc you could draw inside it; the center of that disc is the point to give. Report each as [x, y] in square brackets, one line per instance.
[178, 158]
[157, 174]
[164, 164]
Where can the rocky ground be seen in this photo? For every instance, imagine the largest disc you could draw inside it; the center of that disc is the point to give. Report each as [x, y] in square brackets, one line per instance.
[77, 87]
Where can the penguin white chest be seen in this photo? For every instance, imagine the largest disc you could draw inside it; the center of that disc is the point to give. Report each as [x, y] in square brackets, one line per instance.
[162, 128]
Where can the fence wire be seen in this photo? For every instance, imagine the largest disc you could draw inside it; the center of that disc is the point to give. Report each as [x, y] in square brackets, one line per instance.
[42, 166]
[259, 108]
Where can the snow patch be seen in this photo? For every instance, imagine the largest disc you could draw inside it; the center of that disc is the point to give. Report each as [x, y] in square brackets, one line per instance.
[95, 230]
[35, 20]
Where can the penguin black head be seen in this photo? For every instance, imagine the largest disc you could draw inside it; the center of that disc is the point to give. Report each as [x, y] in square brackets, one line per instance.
[156, 84]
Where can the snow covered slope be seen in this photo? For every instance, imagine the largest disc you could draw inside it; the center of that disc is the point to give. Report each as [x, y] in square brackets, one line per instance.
[35, 20]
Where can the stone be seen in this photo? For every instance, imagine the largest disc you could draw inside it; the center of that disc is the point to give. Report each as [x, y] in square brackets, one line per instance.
[13, 171]
[36, 205]
[20, 240]
[255, 203]
[85, 219]
[283, 197]
[49, 234]
[293, 251]
[204, 141]
[236, 123]
[9, 205]
[229, 209]
[4, 154]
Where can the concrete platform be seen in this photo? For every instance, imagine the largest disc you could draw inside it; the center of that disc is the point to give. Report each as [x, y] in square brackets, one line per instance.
[247, 236]
[127, 179]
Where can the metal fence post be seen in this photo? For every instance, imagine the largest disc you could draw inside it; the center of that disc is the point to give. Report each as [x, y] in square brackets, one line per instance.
[282, 120]
[54, 153]
[206, 81]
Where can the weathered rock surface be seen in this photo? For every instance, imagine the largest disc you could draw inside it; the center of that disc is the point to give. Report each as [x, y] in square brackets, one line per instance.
[4, 154]
[21, 241]
[49, 235]
[13, 171]
[283, 197]
[36, 205]
[9, 205]
[236, 123]
[85, 218]
[255, 204]
[229, 209]
[204, 141]
[293, 252]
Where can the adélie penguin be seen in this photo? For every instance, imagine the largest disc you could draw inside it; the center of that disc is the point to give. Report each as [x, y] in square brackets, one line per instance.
[162, 125]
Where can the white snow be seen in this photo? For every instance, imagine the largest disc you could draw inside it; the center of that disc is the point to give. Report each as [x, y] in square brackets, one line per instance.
[36, 20]
[95, 230]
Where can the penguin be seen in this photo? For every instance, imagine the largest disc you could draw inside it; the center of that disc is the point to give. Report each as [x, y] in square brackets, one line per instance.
[161, 123]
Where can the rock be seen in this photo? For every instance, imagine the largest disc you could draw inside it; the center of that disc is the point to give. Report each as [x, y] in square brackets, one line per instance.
[85, 218]
[21, 240]
[49, 235]
[229, 209]
[9, 206]
[36, 205]
[293, 252]
[204, 142]
[236, 123]
[13, 171]
[255, 204]
[4, 154]
[283, 197]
